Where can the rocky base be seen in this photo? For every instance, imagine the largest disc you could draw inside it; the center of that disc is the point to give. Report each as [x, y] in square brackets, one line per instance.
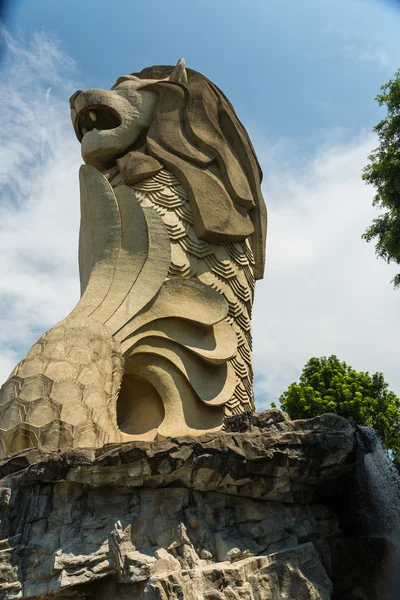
[241, 514]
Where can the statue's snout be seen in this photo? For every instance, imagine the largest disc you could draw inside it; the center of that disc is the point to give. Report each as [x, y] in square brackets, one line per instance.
[74, 97]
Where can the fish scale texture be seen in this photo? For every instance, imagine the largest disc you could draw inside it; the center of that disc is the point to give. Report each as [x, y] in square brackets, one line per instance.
[227, 268]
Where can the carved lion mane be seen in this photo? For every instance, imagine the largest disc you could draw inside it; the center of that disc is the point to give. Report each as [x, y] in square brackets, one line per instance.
[151, 348]
[196, 134]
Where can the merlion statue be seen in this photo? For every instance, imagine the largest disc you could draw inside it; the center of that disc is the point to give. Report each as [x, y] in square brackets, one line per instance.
[172, 239]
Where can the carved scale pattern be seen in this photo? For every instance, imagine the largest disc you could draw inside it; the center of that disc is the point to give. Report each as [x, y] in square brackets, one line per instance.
[227, 268]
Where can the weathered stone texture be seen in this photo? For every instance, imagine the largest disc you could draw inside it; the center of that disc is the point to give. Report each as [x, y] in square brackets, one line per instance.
[221, 516]
[172, 240]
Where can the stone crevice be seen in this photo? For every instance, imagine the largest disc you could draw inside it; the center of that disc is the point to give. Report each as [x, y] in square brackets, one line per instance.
[215, 516]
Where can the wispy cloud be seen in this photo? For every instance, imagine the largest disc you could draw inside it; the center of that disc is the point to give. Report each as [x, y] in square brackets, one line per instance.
[370, 53]
[365, 44]
[39, 208]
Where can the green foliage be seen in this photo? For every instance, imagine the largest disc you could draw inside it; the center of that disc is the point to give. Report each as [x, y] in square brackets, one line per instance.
[328, 385]
[383, 173]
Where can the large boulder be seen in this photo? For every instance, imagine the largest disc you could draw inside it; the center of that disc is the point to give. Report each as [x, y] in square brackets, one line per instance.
[234, 514]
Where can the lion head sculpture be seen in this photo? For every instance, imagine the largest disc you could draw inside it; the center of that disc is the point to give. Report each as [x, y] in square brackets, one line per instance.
[177, 118]
[171, 241]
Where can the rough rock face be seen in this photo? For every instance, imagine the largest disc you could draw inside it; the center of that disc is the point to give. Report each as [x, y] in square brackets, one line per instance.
[222, 516]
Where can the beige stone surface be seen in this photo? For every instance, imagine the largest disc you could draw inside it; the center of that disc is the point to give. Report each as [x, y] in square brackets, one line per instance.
[172, 239]
[221, 516]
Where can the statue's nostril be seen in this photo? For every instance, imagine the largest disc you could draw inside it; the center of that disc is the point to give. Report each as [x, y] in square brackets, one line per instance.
[73, 98]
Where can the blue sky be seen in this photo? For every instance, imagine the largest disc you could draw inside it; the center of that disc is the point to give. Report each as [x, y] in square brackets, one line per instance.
[293, 69]
[302, 77]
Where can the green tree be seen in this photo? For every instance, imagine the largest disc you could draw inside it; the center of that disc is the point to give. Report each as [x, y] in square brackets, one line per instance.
[328, 385]
[383, 173]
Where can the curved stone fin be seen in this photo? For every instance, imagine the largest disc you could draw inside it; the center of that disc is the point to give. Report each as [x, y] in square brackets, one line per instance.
[179, 74]
[208, 107]
[99, 239]
[186, 299]
[137, 166]
[213, 384]
[215, 344]
[151, 276]
[230, 223]
[173, 138]
[132, 254]
[185, 414]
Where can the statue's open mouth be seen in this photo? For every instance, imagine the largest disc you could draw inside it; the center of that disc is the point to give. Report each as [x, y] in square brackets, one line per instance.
[96, 117]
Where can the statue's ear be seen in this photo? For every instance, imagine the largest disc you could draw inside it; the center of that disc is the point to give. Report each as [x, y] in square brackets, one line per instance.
[179, 74]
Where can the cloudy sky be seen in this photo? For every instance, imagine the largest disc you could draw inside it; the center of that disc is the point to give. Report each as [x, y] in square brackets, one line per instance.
[302, 77]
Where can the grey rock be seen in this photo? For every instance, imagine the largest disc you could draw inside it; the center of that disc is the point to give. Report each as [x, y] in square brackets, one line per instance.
[221, 516]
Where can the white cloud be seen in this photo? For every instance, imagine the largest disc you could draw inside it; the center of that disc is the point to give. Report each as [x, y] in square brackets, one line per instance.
[368, 34]
[39, 209]
[324, 291]
[370, 53]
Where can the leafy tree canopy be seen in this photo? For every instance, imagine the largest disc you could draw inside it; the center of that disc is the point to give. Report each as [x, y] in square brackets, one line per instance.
[328, 385]
[383, 173]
